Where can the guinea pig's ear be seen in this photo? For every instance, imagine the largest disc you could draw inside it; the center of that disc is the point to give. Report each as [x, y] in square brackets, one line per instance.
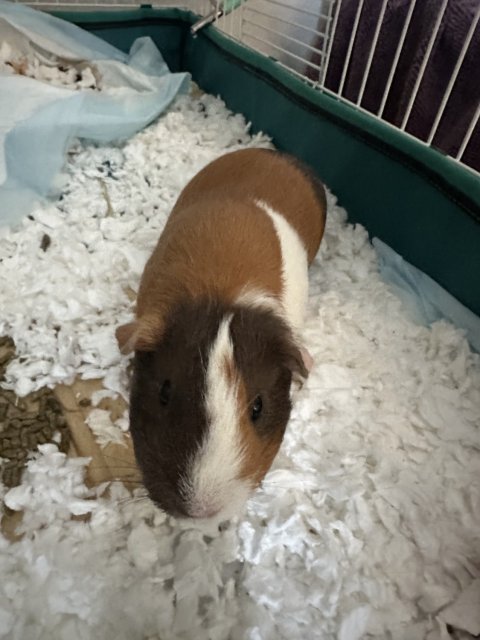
[307, 359]
[138, 335]
[299, 361]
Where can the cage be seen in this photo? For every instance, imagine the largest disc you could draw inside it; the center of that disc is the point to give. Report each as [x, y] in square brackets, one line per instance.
[387, 87]
[380, 98]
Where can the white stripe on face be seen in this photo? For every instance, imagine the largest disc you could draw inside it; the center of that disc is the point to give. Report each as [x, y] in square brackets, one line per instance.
[213, 478]
[294, 267]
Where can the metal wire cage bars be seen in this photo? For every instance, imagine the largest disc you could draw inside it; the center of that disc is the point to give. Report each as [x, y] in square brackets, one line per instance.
[412, 64]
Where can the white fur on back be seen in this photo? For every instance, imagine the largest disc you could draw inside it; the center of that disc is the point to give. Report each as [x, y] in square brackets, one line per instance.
[259, 299]
[294, 267]
[213, 477]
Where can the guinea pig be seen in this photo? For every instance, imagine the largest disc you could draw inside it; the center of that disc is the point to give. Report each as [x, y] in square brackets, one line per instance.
[216, 334]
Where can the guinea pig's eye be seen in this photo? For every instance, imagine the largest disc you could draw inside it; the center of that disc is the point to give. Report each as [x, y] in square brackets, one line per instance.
[257, 407]
[165, 392]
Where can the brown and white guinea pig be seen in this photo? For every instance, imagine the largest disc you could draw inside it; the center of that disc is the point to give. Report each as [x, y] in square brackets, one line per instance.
[219, 307]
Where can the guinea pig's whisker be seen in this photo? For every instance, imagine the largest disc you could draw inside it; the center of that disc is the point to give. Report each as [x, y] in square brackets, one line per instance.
[204, 368]
[157, 487]
[120, 530]
[130, 497]
[135, 484]
[112, 457]
[132, 500]
[121, 473]
[116, 466]
[279, 487]
[282, 485]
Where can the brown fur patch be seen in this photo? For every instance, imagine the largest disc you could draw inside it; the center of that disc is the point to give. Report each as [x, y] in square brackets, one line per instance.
[168, 429]
[217, 243]
[267, 358]
[167, 434]
[214, 249]
[259, 453]
[282, 181]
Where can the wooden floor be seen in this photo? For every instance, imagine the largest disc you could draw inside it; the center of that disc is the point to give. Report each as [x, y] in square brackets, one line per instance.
[113, 461]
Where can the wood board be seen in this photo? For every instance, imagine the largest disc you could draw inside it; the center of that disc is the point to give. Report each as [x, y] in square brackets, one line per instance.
[111, 462]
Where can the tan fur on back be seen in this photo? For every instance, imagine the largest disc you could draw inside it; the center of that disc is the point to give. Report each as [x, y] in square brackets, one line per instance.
[217, 242]
[260, 174]
[202, 253]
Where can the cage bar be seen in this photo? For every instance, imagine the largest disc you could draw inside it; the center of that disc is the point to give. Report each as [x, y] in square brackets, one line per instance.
[283, 35]
[292, 7]
[315, 32]
[454, 76]
[325, 39]
[372, 51]
[423, 66]
[398, 51]
[330, 44]
[469, 133]
[350, 47]
[285, 51]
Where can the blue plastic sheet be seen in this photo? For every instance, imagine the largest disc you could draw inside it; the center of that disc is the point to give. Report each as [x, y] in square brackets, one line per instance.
[38, 121]
[424, 299]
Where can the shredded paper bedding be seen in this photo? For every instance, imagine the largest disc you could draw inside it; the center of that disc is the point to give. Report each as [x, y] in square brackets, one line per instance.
[367, 526]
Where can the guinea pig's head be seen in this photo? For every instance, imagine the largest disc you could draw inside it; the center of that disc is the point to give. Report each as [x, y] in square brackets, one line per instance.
[209, 405]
